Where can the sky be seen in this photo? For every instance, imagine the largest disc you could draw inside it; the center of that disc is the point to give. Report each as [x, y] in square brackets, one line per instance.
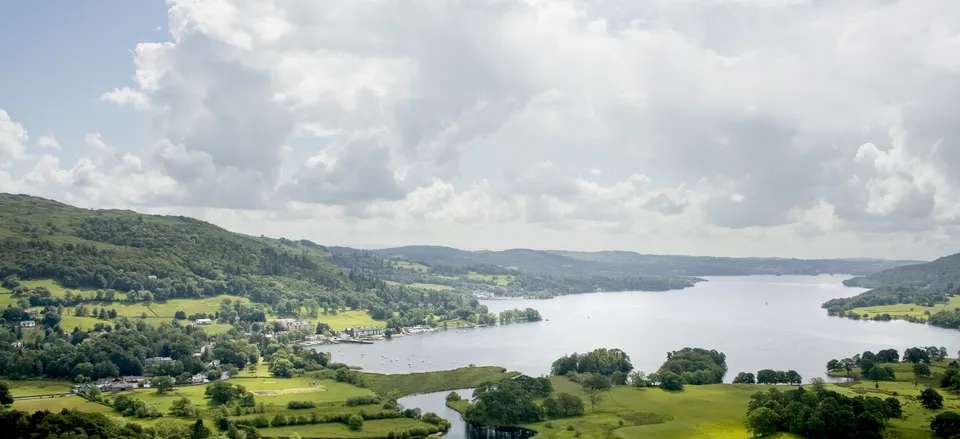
[791, 128]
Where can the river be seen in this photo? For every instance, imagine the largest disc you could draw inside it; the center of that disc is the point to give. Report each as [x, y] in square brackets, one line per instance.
[760, 322]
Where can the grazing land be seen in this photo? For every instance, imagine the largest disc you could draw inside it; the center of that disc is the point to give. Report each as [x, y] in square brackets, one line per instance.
[902, 310]
[427, 382]
[23, 388]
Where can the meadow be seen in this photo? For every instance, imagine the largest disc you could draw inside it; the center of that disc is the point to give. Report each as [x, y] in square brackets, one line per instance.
[21, 388]
[427, 382]
[902, 310]
[348, 319]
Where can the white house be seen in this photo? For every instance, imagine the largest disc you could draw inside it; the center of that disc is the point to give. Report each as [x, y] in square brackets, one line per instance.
[295, 324]
[368, 331]
[28, 323]
[198, 378]
[153, 361]
[203, 322]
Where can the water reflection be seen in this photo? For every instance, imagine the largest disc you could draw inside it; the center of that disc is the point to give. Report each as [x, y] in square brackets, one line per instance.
[760, 322]
[459, 429]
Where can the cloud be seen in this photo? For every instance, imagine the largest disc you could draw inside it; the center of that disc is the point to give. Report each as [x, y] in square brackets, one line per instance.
[48, 142]
[795, 125]
[13, 140]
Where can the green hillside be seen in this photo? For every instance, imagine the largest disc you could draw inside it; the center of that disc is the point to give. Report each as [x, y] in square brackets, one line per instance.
[114, 256]
[919, 292]
[942, 274]
[625, 263]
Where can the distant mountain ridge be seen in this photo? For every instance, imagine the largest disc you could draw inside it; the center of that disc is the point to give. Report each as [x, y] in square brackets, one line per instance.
[619, 263]
[940, 274]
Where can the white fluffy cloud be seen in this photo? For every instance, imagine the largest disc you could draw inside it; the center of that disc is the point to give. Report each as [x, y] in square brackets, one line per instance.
[797, 127]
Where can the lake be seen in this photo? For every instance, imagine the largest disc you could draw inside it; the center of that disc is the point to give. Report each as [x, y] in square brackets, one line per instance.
[759, 322]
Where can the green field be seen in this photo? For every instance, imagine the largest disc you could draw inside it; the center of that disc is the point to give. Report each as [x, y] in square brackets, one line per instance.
[55, 288]
[907, 309]
[501, 280]
[57, 404]
[416, 383]
[349, 319]
[21, 388]
[376, 428]
[407, 265]
[436, 287]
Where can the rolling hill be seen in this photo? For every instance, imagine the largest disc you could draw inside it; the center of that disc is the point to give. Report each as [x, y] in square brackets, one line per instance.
[620, 263]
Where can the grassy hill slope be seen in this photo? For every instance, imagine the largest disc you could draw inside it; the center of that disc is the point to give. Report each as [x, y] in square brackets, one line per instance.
[171, 256]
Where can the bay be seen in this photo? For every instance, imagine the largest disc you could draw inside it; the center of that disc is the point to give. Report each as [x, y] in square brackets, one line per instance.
[760, 322]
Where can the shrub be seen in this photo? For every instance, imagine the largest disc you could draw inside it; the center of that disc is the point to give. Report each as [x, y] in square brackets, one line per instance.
[362, 400]
[297, 405]
[548, 424]
[355, 422]
[453, 396]
[570, 428]
[931, 399]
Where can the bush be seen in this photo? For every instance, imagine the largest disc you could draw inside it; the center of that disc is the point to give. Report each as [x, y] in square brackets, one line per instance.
[362, 400]
[548, 424]
[297, 405]
[355, 422]
[931, 399]
[946, 425]
[453, 396]
[570, 428]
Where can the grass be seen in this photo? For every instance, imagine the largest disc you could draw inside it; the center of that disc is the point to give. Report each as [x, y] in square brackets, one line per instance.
[57, 404]
[902, 310]
[272, 392]
[55, 288]
[84, 323]
[435, 287]
[349, 319]
[407, 265]
[427, 382]
[713, 410]
[21, 388]
[371, 429]
[501, 280]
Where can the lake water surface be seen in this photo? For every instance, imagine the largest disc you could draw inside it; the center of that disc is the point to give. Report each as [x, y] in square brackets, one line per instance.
[760, 322]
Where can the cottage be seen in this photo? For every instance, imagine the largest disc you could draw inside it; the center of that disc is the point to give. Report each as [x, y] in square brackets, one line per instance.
[133, 379]
[368, 331]
[198, 378]
[295, 324]
[203, 322]
[149, 363]
[122, 387]
[28, 323]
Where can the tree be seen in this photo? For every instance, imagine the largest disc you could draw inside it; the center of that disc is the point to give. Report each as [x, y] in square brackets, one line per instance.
[762, 422]
[792, 377]
[896, 410]
[834, 365]
[921, 370]
[744, 378]
[199, 431]
[222, 392]
[453, 396]
[180, 315]
[355, 422]
[182, 407]
[281, 367]
[595, 395]
[638, 379]
[946, 425]
[6, 397]
[162, 383]
[670, 381]
[12, 281]
[931, 399]
[916, 355]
